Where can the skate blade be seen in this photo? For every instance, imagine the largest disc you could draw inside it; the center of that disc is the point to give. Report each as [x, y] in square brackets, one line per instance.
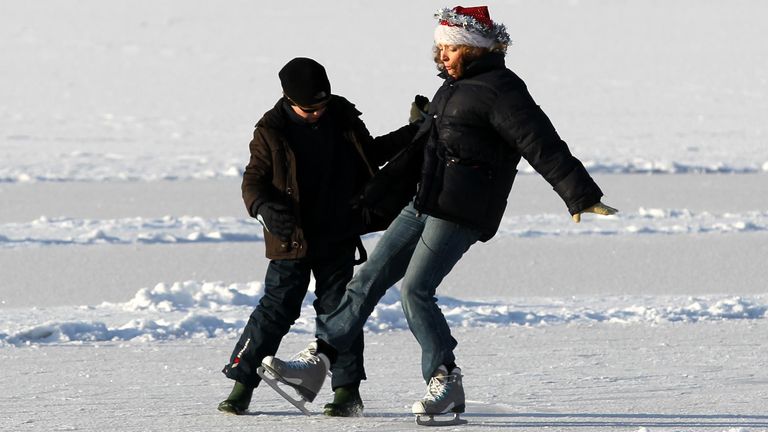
[273, 382]
[429, 420]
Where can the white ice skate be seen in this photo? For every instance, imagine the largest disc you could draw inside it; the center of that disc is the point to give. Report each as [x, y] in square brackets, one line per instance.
[445, 395]
[305, 373]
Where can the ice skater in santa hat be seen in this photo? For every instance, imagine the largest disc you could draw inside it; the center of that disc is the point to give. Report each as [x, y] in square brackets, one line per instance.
[480, 123]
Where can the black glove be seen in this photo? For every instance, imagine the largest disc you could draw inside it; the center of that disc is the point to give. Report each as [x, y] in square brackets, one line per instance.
[277, 219]
[419, 108]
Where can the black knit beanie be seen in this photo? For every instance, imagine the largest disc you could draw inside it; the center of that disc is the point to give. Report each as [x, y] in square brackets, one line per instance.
[304, 81]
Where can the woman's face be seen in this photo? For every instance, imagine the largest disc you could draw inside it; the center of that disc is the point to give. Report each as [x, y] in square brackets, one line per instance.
[450, 55]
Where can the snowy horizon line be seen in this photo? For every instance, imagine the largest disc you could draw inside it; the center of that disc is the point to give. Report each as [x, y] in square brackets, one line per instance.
[92, 167]
[64, 231]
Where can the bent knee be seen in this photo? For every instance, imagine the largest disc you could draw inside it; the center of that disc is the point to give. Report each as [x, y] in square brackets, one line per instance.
[411, 294]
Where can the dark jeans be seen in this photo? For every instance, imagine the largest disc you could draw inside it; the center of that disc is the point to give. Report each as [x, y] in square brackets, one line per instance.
[285, 286]
[421, 250]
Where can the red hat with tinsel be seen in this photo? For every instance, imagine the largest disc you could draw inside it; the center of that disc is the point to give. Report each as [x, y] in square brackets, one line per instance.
[471, 26]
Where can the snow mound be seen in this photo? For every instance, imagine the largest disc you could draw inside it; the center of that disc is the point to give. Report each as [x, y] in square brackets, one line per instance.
[190, 327]
[46, 231]
[190, 295]
[190, 309]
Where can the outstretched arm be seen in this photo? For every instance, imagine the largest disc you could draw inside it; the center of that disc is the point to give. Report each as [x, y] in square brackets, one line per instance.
[522, 123]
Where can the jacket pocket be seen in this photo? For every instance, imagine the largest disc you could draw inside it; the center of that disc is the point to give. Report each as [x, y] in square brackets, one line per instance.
[466, 189]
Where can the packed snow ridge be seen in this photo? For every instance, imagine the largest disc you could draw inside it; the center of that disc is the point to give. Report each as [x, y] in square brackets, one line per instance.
[82, 166]
[191, 309]
[46, 231]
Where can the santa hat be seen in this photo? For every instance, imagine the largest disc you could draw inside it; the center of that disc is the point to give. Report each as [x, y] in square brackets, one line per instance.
[470, 26]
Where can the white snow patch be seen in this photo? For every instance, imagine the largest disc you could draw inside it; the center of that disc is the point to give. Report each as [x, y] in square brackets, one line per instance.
[191, 309]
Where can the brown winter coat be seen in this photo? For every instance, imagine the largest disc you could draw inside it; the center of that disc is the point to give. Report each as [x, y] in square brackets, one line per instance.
[271, 176]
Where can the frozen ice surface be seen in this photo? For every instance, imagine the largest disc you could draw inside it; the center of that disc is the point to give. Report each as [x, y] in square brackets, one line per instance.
[128, 265]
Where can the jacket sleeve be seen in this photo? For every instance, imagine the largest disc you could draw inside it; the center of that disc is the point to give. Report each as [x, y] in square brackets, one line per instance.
[524, 126]
[257, 179]
[381, 149]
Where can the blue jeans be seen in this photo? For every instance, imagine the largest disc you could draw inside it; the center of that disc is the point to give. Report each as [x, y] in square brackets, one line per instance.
[421, 250]
[285, 287]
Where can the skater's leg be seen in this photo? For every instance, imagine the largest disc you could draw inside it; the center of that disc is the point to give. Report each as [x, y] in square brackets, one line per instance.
[441, 246]
[385, 266]
[332, 273]
[337, 331]
[285, 286]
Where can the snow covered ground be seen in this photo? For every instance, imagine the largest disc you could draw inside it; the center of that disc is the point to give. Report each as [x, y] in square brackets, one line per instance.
[128, 264]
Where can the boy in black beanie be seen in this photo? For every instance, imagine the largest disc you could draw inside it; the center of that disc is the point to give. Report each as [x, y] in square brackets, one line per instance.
[310, 156]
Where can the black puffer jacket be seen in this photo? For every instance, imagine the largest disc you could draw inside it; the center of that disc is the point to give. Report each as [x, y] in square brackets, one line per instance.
[479, 127]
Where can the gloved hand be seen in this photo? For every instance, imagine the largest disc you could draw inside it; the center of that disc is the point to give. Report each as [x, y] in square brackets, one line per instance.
[419, 108]
[277, 219]
[598, 208]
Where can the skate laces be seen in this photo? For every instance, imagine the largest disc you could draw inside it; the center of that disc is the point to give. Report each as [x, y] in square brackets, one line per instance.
[304, 358]
[436, 388]
[439, 385]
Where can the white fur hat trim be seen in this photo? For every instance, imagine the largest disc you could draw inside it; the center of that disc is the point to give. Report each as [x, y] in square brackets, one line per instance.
[454, 35]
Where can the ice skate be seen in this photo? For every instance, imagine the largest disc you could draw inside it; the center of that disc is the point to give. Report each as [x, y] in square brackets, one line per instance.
[305, 373]
[445, 395]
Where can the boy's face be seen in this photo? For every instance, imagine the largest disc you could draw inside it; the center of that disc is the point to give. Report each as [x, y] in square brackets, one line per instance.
[310, 114]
